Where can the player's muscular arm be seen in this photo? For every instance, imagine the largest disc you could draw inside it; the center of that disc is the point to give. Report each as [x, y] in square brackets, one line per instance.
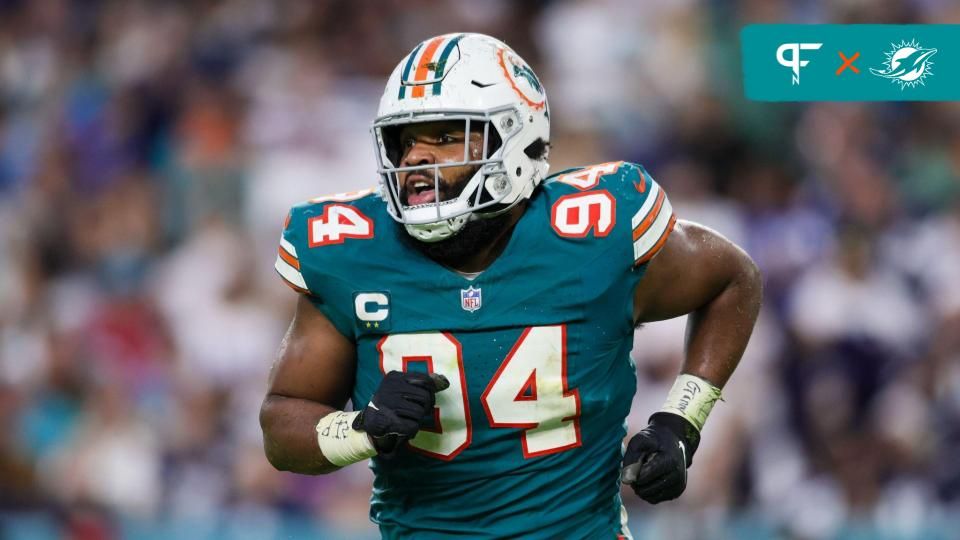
[312, 377]
[701, 273]
[304, 427]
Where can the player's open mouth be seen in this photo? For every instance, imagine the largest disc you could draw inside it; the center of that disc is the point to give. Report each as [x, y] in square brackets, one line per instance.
[420, 189]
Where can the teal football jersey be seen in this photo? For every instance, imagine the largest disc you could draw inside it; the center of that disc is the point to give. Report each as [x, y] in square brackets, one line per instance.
[527, 440]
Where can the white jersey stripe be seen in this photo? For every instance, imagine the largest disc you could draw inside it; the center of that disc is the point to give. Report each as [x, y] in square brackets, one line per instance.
[649, 239]
[288, 247]
[624, 529]
[289, 273]
[647, 205]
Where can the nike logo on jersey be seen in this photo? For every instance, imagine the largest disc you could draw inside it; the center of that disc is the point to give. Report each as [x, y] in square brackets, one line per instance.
[641, 186]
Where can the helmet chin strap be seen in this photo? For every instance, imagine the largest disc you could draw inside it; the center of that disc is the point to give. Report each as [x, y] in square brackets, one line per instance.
[524, 195]
[446, 228]
[440, 230]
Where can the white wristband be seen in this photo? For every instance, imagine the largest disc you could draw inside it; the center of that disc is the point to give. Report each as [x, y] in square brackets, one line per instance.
[692, 398]
[340, 443]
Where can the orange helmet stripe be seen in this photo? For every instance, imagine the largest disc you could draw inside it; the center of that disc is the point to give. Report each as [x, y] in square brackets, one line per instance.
[421, 72]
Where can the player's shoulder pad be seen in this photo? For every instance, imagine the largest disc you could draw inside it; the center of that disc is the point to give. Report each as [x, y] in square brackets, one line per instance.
[601, 199]
[318, 222]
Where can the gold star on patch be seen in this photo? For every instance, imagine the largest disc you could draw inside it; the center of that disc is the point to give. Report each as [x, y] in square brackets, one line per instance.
[368, 325]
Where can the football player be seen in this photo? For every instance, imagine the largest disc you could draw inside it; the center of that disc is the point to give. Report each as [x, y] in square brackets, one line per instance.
[479, 316]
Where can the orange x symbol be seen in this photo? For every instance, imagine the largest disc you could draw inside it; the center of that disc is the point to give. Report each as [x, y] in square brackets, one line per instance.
[848, 62]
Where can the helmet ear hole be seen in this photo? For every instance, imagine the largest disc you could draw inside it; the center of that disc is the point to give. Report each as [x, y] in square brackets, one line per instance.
[538, 149]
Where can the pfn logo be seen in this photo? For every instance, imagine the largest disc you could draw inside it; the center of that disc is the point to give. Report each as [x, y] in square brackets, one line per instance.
[794, 62]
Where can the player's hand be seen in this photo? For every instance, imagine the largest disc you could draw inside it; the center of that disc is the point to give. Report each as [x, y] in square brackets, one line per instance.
[397, 407]
[655, 463]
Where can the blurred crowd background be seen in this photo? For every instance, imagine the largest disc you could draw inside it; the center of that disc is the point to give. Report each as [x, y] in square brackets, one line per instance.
[149, 152]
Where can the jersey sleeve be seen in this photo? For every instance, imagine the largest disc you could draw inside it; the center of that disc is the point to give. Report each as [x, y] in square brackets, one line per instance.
[287, 264]
[304, 272]
[652, 218]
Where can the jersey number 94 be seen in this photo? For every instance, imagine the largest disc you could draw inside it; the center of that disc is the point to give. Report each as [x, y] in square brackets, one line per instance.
[528, 391]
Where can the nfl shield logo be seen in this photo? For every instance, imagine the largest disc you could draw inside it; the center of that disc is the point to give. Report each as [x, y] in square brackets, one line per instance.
[470, 299]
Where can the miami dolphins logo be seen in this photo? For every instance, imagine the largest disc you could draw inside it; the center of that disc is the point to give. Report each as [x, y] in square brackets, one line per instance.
[907, 64]
[521, 78]
[527, 73]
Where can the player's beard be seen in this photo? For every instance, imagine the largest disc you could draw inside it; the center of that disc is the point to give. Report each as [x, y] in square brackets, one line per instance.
[476, 235]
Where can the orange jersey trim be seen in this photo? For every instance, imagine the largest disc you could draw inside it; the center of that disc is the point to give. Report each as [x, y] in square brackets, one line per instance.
[288, 258]
[663, 239]
[651, 217]
[292, 286]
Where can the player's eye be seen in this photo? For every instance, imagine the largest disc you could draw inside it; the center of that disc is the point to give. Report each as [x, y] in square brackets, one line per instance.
[447, 138]
[408, 143]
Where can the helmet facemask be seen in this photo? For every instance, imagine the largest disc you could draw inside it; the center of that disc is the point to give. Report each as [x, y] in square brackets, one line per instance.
[480, 81]
[485, 194]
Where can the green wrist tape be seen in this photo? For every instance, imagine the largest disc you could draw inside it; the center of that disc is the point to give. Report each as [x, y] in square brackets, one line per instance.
[692, 398]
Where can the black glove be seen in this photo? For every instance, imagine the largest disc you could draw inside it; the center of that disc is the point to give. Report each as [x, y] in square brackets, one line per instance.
[656, 461]
[394, 413]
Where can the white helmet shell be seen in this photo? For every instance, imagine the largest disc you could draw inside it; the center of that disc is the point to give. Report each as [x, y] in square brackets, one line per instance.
[479, 80]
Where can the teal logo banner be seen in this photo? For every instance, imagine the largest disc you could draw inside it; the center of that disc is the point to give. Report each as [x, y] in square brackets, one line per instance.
[855, 62]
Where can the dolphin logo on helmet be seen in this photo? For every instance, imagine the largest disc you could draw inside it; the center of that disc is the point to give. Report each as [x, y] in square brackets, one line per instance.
[527, 73]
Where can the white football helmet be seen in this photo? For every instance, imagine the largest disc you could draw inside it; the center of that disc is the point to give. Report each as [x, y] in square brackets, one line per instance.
[478, 80]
